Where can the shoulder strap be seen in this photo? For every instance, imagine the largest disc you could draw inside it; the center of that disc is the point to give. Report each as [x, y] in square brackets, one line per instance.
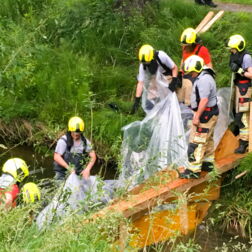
[84, 140]
[210, 72]
[197, 95]
[69, 140]
[198, 49]
[166, 68]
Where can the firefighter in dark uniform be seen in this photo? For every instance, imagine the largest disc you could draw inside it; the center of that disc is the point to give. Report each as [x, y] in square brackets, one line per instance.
[204, 104]
[241, 65]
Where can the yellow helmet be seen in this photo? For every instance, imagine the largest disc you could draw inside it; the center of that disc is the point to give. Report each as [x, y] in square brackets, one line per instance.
[17, 168]
[193, 63]
[30, 193]
[189, 36]
[237, 42]
[76, 124]
[146, 53]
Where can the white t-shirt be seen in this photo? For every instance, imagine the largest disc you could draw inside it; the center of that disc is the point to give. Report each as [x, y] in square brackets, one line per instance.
[78, 146]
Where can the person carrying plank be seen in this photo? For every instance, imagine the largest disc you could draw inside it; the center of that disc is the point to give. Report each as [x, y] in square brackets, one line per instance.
[241, 65]
[204, 104]
[152, 61]
[190, 46]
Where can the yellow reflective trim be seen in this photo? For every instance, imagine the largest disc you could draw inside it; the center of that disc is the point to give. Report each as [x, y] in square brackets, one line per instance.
[198, 153]
[209, 159]
[194, 167]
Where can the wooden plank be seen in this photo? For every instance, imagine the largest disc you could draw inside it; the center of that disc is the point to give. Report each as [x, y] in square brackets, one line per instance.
[147, 199]
[204, 21]
[227, 146]
[212, 21]
[183, 214]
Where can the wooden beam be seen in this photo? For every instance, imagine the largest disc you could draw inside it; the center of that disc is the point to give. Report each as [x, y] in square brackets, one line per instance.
[147, 199]
[212, 21]
[204, 21]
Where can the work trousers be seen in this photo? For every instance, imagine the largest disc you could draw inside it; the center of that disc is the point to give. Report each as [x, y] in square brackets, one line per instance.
[243, 106]
[184, 93]
[242, 103]
[201, 144]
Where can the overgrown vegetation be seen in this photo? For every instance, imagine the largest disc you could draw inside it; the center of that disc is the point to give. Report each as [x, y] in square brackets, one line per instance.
[59, 58]
[233, 212]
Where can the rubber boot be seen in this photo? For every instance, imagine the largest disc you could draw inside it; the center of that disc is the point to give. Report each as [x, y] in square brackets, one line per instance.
[242, 147]
[211, 3]
[207, 166]
[188, 174]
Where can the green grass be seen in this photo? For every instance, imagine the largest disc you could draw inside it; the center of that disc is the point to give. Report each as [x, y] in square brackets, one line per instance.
[233, 212]
[60, 58]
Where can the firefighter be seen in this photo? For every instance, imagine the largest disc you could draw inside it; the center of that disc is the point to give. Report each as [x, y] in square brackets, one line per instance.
[152, 61]
[241, 65]
[191, 45]
[73, 149]
[15, 170]
[30, 193]
[204, 104]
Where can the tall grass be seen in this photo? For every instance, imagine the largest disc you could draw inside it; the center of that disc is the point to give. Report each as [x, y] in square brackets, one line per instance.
[234, 210]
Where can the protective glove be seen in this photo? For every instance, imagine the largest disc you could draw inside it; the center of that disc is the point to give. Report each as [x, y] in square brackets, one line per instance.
[180, 77]
[135, 105]
[240, 71]
[175, 83]
[234, 67]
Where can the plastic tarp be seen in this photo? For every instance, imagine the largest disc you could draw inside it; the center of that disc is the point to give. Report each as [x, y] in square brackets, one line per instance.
[156, 142]
[224, 119]
[76, 195]
[160, 140]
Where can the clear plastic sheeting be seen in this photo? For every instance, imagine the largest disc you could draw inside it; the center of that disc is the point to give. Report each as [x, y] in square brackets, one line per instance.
[150, 145]
[156, 142]
[155, 89]
[187, 116]
[224, 119]
[76, 195]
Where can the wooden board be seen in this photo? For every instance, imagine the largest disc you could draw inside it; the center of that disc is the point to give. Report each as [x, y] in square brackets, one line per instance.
[226, 146]
[143, 201]
[212, 21]
[162, 225]
[204, 21]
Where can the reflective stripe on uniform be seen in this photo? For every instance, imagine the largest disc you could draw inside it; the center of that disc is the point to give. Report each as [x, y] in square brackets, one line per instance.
[244, 131]
[209, 159]
[198, 153]
[194, 167]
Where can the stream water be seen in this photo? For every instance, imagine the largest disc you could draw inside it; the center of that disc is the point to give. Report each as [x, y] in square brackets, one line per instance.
[41, 166]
